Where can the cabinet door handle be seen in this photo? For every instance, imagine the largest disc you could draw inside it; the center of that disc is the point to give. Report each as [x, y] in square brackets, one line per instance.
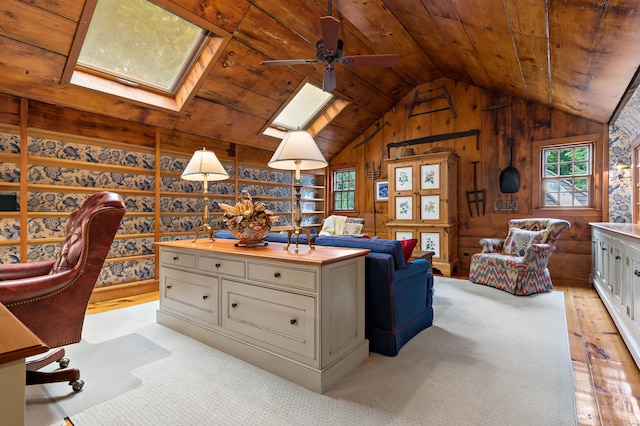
[618, 257]
[293, 321]
[169, 286]
[604, 249]
[277, 274]
[636, 273]
[218, 265]
[234, 305]
[176, 258]
[205, 297]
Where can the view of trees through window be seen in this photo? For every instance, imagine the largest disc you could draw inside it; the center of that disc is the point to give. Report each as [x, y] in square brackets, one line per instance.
[140, 42]
[344, 189]
[567, 175]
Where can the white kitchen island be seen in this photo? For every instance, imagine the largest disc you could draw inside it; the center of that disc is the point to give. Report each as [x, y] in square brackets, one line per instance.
[297, 315]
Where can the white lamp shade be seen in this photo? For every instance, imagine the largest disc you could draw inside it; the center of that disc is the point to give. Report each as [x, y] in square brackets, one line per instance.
[298, 147]
[204, 164]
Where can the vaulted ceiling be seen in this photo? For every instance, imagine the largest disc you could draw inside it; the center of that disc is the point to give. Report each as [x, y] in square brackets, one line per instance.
[577, 56]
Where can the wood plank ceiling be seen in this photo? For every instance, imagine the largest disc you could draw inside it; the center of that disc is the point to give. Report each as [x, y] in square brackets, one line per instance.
[574, 55]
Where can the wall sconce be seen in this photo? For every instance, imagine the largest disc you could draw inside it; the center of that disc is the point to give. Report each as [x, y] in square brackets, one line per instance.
[621, 166]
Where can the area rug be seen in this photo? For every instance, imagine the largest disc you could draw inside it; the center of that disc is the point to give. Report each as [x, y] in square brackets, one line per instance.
[490, 358]
[105, 368]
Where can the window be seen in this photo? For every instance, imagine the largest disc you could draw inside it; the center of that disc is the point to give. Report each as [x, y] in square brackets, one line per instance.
[137, 50]
[566, 175]
[141, 44]
[344, 189]
[310, 108]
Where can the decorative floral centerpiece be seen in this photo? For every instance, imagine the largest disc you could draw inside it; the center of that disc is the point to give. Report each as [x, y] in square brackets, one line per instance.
[249, 222]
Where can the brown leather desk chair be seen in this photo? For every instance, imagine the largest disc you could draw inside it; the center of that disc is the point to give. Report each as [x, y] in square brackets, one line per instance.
[51, 297]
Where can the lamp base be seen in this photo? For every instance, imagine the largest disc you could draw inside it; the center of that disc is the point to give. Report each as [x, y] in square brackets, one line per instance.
[204, 229]
[297, 231]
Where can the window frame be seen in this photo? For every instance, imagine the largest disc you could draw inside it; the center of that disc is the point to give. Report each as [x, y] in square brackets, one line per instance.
[333, 172]
[315, 124]
[596, 186]
[191, 81]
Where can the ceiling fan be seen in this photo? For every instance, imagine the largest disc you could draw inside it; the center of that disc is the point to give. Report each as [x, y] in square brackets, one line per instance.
[329, 50]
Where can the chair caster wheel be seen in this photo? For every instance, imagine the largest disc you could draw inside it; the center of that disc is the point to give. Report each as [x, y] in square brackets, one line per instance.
[63, 362]
[77, 385]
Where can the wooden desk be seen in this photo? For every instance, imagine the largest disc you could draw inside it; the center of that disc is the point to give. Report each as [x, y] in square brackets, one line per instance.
[297, 315]
[17, 342]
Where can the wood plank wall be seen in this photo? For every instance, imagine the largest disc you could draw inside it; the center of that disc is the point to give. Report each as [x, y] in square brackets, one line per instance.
[497, 118]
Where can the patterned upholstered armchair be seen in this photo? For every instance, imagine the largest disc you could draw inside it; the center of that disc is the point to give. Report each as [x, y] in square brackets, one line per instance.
[518, 264]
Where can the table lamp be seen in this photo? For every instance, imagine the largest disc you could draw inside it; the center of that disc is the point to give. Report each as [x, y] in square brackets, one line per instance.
[204, 166]
[298, 151]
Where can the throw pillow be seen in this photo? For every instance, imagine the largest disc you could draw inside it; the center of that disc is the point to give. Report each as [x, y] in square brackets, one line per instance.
[519, 239]
[352, 228]
[407, 247]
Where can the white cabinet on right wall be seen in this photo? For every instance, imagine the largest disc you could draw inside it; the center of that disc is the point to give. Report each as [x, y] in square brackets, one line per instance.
[616, 277]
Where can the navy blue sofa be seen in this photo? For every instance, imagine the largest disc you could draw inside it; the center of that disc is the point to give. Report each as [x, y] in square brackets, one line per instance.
[398, 295]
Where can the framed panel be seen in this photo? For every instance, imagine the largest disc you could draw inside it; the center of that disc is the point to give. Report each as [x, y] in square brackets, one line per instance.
[404, 208]
[430, 241]
[403, 235]
[430, 207]
[430, 176]
[382, 191]
[404, 179]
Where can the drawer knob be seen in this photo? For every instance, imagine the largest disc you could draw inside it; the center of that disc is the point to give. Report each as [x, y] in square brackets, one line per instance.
[277, 274]
[176, 258]
[234, 305]
[293, 321]
[205, 297]
[604, 249]
[636, 273]
[618, 257]
[218, 265]
[169, 286]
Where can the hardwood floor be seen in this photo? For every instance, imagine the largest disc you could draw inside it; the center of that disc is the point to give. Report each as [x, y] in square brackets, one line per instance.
[607, 379]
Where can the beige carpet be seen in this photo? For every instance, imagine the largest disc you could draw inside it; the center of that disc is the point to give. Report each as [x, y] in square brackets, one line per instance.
[490, 359]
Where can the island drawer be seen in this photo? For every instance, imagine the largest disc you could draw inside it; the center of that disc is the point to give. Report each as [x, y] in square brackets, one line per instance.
[221, 265]
[194, 296]
[283, 275]
[282, 320]
[174, 258]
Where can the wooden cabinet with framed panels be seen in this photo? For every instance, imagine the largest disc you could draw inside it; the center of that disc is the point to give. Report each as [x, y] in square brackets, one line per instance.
[423, 205]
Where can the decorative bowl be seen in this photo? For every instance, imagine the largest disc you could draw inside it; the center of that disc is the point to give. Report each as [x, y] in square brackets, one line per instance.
[249, 233]
[249, 222]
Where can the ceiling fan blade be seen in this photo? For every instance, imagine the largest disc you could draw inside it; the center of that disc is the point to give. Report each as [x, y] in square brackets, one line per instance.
[289, 62]
[329, 80]
[371, 60]
[330, 27]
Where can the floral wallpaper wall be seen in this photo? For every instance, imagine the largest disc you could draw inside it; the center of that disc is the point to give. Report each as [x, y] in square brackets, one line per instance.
[622, 133]
[59, 172]
[54, 193]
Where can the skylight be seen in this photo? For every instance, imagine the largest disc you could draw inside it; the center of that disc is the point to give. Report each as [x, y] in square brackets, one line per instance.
[303, 108]
[136, 50]
[139, 43]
